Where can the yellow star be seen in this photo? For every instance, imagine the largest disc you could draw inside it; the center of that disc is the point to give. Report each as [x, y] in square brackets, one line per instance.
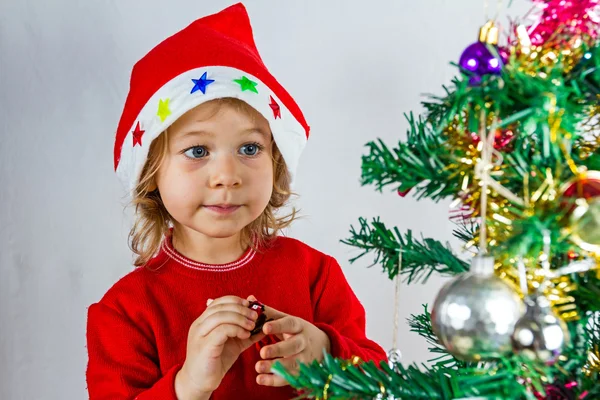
[163, 109]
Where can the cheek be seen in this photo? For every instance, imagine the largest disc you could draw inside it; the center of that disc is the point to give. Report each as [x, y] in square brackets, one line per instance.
[261, 180]
[176, 189]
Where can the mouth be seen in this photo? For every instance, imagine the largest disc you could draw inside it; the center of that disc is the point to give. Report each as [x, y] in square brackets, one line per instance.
[222, 209]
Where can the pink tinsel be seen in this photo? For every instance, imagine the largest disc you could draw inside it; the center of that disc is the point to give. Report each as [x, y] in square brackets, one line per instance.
[554, 392]
[567, 17]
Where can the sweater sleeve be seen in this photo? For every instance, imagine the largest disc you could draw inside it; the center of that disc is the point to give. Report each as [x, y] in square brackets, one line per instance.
[339, 313]
[122, 361]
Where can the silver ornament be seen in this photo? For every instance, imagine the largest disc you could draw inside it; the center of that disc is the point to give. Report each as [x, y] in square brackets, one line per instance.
[475, 314]
[394, 357]
[381, 396]
[540, 335]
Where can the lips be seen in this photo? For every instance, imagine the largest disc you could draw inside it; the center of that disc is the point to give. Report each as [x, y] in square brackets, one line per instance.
[222, 208]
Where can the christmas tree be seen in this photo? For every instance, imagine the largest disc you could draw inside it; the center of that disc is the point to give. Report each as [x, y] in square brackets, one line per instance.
[515, 142]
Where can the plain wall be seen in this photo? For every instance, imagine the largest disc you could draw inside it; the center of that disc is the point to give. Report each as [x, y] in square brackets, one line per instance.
[355, 67]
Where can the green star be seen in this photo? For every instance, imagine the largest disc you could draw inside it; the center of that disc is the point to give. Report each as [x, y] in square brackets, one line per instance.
[163, 109]
[247, 84]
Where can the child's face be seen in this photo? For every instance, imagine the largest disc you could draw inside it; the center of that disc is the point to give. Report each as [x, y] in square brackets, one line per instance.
[218, 175]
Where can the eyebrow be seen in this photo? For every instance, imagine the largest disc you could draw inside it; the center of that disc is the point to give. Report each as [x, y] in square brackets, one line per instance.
[256, 129]
[211, 134]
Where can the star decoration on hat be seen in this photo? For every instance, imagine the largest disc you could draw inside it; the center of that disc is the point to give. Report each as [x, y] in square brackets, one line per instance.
[247, 84]
[276, 108]
[163, 109]
[137, 135]
[201, 84]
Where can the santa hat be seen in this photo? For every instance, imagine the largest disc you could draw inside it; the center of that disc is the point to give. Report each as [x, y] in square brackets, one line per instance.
[213, 57]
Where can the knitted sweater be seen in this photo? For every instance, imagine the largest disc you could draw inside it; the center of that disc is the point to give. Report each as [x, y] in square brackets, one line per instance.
[137, 333]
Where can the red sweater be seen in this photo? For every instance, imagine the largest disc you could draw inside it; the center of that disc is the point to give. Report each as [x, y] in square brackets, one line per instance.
[137, 333]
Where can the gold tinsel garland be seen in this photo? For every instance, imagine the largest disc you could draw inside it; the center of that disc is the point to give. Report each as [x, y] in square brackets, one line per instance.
[593, 362]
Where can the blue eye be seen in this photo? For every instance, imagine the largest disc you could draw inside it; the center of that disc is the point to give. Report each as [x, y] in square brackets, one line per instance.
[196, 152]
[251, 149]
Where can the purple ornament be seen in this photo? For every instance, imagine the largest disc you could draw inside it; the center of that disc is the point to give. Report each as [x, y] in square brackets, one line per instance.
[478, 60]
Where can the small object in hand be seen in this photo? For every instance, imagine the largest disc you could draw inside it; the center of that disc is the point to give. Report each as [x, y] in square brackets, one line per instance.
[262, 317]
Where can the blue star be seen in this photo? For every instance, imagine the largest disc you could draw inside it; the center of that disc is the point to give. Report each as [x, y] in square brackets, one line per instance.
[201, 84]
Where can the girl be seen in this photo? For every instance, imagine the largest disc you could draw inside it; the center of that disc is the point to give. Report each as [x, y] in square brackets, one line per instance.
[207, 145]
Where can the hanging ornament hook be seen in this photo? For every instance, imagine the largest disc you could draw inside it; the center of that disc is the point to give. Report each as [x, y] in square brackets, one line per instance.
[395, 355]
[522, 276]
[545, 259]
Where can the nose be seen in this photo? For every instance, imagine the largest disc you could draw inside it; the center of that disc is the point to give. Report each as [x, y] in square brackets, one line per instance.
[225, 172]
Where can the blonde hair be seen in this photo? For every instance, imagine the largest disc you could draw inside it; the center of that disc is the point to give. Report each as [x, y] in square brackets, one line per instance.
[153, 221]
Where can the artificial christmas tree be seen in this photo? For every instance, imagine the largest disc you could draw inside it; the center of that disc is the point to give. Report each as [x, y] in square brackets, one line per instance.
[515, 142]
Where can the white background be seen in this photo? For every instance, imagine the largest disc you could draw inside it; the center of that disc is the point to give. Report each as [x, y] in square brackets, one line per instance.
[353, 66]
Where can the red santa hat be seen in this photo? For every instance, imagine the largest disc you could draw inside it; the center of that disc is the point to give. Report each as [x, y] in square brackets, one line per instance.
[213, 57]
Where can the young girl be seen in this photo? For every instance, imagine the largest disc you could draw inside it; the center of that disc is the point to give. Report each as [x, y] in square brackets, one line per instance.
[207, 144]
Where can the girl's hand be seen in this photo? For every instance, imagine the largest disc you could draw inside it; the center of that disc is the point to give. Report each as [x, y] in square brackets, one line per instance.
[215, 340]
[301, 342]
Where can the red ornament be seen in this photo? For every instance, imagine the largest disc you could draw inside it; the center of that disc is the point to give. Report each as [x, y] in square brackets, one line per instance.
[579, 199]
[403, 193]
[586, 186]
[262, 317]
[257, 306]
[502, 138]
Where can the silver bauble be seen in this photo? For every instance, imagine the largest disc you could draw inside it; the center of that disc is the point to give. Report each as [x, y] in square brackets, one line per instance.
[381, 396]
[540, 335]
[475, 314]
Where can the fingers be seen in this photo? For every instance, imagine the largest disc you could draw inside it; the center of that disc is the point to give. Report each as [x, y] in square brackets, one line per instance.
[267, 379]
[223, 332]
[224, 317]
[271, 380]
[273, 313]
[228, 299]
[292, 346]
[270, 311]
[230, 307]
[247, 343]
[290, 364]
[226, 309]
[287, 324]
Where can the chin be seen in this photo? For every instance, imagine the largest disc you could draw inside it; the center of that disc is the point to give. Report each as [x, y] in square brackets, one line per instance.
[221, 234]
[218, 230]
